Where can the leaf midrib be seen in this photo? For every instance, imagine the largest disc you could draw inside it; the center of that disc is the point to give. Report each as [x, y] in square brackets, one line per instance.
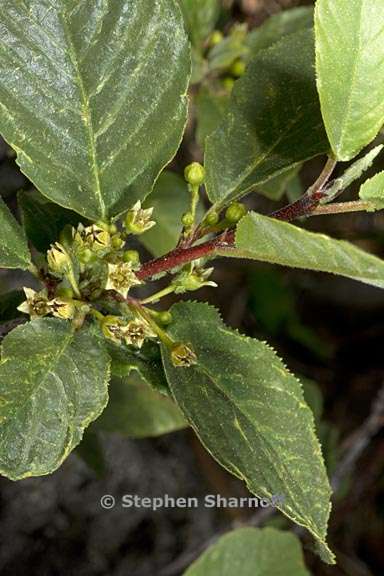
[86, 117]
[357, 52]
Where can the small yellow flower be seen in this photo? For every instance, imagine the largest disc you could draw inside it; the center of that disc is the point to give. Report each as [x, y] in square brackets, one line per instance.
[121, 278]
[36, 304]
[182, 355]
[138, 219]
[136, 331]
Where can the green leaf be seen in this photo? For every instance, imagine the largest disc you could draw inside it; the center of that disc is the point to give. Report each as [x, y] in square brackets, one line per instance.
[210, 110]
[273, 122]
[373, 191]
[249, 412]
[137, 411]
[252, 552]
[353, 172]
[268, 240]
[278, 26]
[53, 384]
[275, 188]
[200, 18]
[43, 220]
[90, 450]
[350, 71]
[170, 199]
[92, 97]
[14, 251]
[146, 361]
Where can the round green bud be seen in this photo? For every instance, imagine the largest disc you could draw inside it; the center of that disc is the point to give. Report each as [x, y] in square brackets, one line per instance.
[212, 219]
[64, 292]
[65, 236]
[238, 68]
[165, 318]
[113, 229]
[235, 212]
[103, 225]
[195, 174]
[117, 241]
[187, 220]
[131, 256]
[216, 38]
[86, 256]
[228, 83]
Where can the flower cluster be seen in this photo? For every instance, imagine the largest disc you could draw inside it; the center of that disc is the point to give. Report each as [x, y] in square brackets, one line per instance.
[37, 305]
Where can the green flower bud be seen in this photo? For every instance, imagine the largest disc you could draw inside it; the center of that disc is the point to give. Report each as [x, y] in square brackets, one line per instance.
[187, 220]
[228, 83]
[235, 212]
[59, 261]
[189, 281]
[64, 292]
[238, 68]
[194, 174]
[182, 355]
[138, 219]
[212, 219]
[165, 318]
[86, 255]
[66, 235]
[216, 38]
[113, 229]
[117, 241]
[131, 256]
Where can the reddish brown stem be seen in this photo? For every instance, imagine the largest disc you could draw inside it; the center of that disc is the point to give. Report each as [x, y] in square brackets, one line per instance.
[304, 206]
[184, 255]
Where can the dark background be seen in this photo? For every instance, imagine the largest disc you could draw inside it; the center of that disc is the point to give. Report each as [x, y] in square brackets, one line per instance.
[328, 329]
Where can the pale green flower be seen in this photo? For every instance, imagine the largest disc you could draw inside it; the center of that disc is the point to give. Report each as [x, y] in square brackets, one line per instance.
[36, 304]
[136, 331]
[189, 281]
[138, 219]
[182, 355]
[61, 308]
[121, 278]
[59, 261]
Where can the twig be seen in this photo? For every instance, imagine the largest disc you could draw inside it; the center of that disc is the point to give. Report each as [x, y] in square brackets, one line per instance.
[356, 444]
[304, 206]
[342, 208]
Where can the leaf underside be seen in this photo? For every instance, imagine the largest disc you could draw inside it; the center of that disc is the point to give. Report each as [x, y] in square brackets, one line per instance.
[92, 96]
[249, 412]
[138, 411]
[53, 383]
[14, 251]
[273, 121]
[268, 240]
[252, 552]
[350, 71]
